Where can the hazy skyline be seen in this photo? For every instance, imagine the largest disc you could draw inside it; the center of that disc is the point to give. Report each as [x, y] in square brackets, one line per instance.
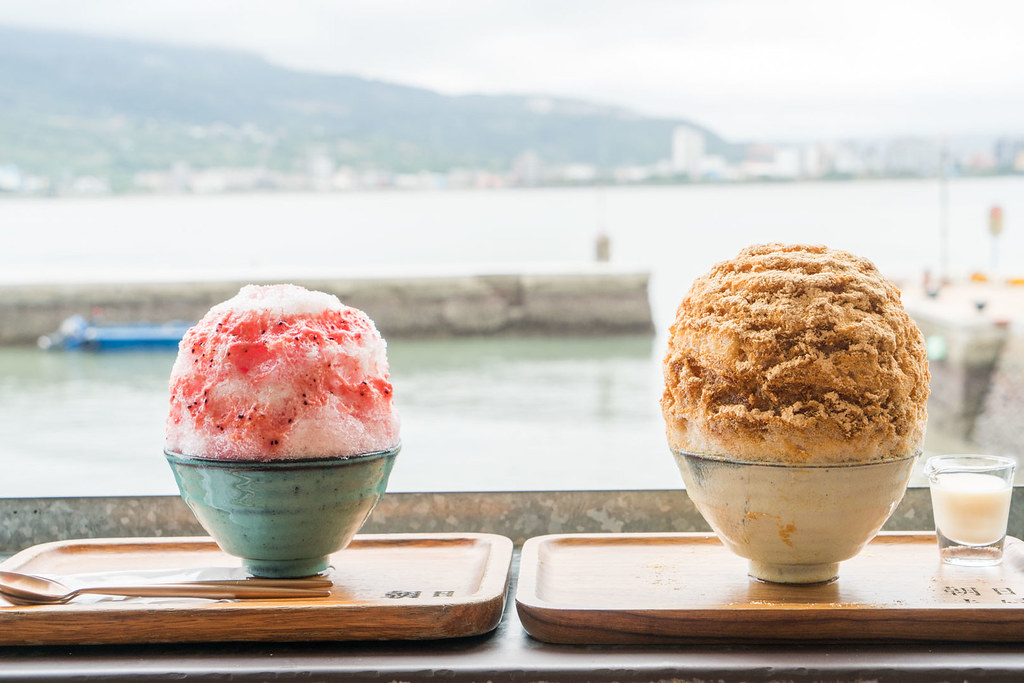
[787, 70]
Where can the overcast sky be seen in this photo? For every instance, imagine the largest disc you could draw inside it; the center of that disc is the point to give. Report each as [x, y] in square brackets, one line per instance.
[748, 69]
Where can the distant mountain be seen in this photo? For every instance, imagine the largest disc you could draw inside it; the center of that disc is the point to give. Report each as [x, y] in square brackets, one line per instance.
[73, 104]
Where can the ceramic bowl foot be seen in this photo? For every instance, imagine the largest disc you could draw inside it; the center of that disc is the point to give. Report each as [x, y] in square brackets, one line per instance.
[794, 573]
[285, 569]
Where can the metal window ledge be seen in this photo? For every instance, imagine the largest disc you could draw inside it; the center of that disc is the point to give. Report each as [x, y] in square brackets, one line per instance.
[505, 654]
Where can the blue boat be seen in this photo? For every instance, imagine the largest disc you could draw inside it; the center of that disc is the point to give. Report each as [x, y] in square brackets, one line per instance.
[80, 334]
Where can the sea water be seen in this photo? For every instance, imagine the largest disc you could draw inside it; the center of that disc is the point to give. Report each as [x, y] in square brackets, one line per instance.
[478, 414]
[674, 232]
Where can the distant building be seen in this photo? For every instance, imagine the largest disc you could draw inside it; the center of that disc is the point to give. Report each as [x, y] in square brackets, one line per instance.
[574, 173]
[422, 180]
[771, 162]
[812, 161]
[1007, 152]
[460, 179]
[34, 184]
[633, 174]
[871, 158]
[846, 160]
[344, 179]
[687, 151]
[320, 169]
[913, 156]
[10, 178]
[755, 169]
[787, 163]
[715, 167]
[89, 185]
[181, 176]
[977, 161]
[526, 169]
[152, 181]
[208, 181]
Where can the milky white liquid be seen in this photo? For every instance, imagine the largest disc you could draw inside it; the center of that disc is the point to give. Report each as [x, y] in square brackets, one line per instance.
[971, 508]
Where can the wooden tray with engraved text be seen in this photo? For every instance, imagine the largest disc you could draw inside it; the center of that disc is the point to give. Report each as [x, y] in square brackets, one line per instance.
[689, 588]
[386, 587]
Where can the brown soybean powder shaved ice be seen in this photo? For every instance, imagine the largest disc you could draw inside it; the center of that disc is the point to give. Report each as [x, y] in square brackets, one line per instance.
[795, 354]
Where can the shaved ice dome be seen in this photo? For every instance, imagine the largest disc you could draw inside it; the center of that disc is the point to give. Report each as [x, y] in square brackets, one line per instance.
[281, 372]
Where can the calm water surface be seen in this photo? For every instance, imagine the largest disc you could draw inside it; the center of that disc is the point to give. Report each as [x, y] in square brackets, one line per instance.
[478, 414]
[502, 414]
[674, 232]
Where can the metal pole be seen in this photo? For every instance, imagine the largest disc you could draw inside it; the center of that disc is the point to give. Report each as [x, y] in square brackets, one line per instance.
[995, 228]
[943, 217]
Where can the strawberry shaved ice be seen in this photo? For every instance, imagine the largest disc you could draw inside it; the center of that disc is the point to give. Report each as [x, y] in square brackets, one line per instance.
[281, 372]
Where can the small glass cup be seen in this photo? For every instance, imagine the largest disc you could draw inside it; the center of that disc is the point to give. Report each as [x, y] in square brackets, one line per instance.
[971, 503]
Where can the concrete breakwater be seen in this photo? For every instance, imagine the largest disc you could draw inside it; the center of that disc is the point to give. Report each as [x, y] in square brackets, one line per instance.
[589, 301]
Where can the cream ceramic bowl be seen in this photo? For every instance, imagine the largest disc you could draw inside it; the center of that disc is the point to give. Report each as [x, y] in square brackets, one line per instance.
[794, 523]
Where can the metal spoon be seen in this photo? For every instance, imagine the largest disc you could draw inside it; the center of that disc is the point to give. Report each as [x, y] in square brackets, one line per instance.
[29, 589]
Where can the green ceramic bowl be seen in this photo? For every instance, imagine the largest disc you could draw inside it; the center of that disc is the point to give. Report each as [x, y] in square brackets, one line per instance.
[283, 517]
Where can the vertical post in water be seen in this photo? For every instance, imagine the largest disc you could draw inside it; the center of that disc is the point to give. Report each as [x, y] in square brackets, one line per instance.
[995, 228]
[603, 242]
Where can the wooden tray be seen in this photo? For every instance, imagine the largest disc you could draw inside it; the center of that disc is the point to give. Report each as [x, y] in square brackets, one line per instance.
[661, 588]
[386, 587]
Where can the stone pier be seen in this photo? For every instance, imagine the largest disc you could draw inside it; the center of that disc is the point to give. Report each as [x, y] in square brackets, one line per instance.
[589, 301]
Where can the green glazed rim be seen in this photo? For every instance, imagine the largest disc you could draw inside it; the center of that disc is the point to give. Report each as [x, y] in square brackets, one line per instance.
[279, 463]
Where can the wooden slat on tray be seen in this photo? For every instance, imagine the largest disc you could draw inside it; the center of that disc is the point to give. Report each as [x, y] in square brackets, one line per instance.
[394, 586]
[673, 588]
